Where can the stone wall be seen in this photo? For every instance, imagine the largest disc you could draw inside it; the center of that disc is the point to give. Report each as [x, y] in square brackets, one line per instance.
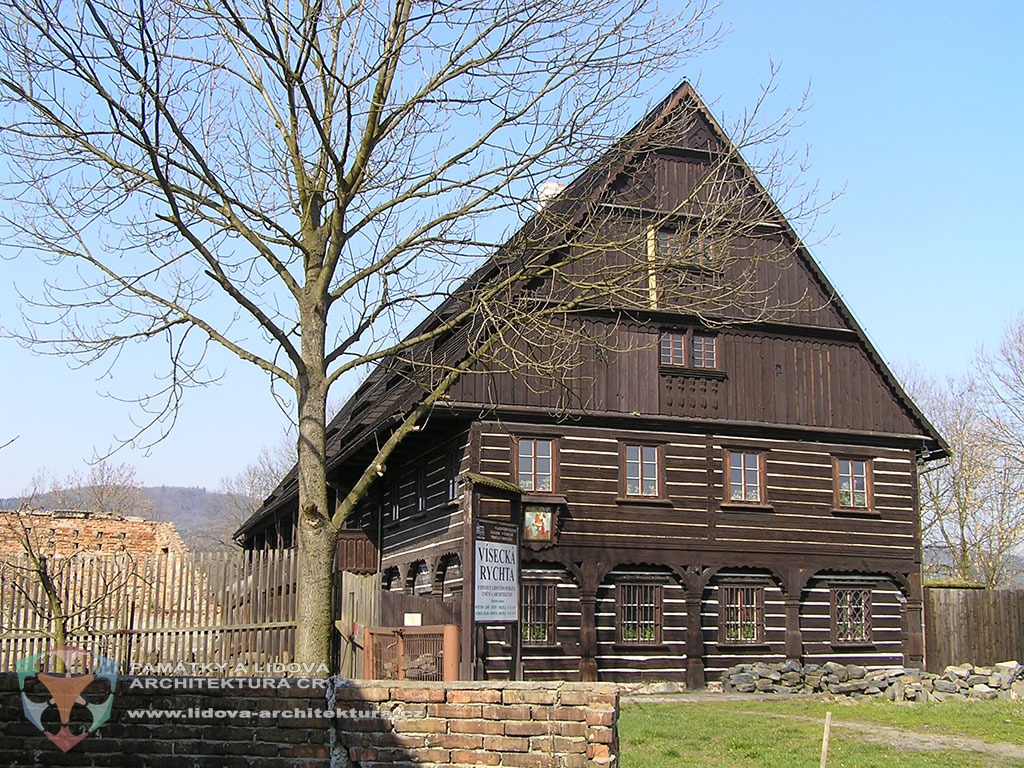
[966, 681]
[372, 724]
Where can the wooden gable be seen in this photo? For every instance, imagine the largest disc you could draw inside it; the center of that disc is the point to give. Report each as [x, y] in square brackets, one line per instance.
[793, 356]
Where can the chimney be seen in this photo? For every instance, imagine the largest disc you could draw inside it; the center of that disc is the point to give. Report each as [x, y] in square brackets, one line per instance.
[546, 192]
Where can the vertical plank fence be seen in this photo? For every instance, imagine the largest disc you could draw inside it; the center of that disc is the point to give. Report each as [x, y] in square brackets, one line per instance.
[979, 626]
[227, 609]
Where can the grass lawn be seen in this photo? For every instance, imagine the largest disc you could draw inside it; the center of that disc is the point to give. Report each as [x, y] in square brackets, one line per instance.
[787, 734]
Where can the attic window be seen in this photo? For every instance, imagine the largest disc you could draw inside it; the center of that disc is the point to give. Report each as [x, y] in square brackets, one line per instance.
[689, 349]
[684, 248]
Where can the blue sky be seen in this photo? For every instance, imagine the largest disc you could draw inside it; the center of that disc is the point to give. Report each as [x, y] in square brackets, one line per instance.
[915, 116]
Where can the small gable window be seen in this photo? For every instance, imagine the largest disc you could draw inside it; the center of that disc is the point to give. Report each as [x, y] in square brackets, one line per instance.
[684, 248]
[673, 348]
[703, 351]
[689, 349]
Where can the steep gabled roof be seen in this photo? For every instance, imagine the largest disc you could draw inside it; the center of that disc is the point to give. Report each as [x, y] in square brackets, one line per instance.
[385, 396]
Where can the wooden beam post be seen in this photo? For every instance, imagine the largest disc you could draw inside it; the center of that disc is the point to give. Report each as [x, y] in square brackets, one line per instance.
[694, 642]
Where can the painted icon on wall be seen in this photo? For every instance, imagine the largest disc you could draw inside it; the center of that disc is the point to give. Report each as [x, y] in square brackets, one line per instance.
[537, 522]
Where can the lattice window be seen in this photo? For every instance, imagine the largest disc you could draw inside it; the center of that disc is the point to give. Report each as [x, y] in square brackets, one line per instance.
[538, 614]
[536, 464]
[851, 615]
[638, 612]
[741, 613]
[745, 477]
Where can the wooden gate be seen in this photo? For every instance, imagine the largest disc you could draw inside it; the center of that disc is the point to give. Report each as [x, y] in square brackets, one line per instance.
[411, 653]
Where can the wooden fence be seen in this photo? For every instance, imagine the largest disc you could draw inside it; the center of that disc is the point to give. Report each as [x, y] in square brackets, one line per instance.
[979, 626]
[225, 610]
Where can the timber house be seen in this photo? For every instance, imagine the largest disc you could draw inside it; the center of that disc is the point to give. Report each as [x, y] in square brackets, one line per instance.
[715, 483]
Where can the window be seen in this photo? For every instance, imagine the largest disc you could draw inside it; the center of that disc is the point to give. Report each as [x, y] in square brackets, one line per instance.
[684, 247]
[853, 483]
[638, 613]
[746, 477]
[538, 614]
[454, 464]
[642, 470]
[851, 614]
[535, 465]
[703, 351]
[394, 502]
[694, 349]
[673, 348]
[421, 489]
[741, 609]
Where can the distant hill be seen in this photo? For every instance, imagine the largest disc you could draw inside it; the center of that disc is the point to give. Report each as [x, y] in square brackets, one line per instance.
[205, 519]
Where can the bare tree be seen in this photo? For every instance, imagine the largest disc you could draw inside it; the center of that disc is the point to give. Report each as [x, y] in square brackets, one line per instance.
[105, 489]
[972, 505]
[299, 184]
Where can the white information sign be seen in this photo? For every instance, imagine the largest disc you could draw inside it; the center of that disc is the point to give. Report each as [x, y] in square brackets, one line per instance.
[496, 577]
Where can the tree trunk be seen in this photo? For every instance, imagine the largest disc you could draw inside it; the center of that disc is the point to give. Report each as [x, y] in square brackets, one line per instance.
[317, 537]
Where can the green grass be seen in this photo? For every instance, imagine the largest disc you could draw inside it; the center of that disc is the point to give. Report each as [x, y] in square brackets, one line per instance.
[787, 734]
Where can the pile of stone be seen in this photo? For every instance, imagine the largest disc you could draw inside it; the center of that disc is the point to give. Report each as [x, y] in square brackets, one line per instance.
[966, 681]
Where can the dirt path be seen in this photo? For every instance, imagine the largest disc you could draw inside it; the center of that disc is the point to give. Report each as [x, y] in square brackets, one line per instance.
[926, 742]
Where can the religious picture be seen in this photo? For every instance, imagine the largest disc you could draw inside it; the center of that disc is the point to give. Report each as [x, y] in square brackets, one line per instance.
[537, 522]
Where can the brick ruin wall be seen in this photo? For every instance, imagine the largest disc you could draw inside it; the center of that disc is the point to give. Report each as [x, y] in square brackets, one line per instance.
[70, 532]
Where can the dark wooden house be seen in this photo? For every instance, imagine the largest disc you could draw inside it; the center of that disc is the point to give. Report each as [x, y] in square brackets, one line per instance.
[717, 486]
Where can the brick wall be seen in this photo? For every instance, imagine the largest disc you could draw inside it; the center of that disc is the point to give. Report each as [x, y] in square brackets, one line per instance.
[66, 532]
[375, 724]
